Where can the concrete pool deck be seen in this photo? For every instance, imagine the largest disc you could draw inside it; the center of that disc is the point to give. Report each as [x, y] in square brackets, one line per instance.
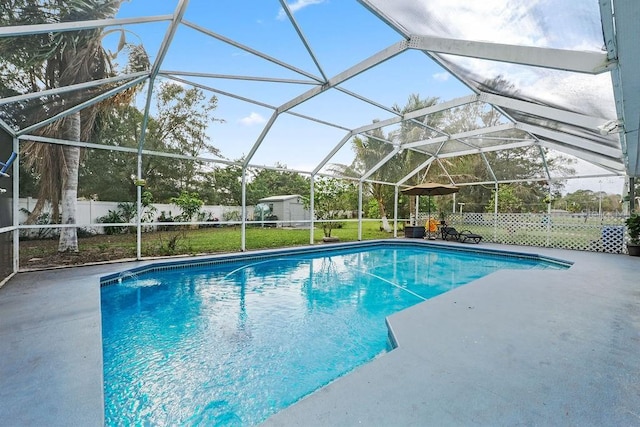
[534, 347]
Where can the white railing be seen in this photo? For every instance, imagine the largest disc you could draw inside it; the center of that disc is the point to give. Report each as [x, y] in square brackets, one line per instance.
[582, 232]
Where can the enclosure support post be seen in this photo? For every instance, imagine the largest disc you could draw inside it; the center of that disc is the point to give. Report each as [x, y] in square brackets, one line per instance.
[548, 238]
[360, 211]
[495, 215]
[311, 209]
[453, 208]
[243, 210]
[139, 210]
[15, 205]
[632, 195]
[395, 213]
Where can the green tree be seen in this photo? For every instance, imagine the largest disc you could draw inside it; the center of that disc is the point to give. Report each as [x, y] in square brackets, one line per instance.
[516, 163]
[189, 204]
[370, 150]
[508, 201]
[269, 182]
[52, 60]
[330, 201]
[183, 116]
[579, 201]
[172, 129]
[223, 186]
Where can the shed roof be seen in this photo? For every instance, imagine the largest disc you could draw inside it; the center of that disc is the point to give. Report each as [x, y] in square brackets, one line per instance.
[279, 198]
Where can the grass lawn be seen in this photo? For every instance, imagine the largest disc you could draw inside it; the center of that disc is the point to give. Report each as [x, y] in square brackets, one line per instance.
[100, 248]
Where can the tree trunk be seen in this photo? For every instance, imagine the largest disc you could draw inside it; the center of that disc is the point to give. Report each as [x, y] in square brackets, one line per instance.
[383, 215]
[69, 199]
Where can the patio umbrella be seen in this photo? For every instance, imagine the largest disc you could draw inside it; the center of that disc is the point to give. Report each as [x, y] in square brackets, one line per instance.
[430, 189]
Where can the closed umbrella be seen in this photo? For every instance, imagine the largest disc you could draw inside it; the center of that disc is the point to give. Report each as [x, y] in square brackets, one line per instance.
[430, 189]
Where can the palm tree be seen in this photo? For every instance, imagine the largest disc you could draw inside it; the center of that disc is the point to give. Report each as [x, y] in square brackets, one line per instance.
[371, 149]
[55, 60]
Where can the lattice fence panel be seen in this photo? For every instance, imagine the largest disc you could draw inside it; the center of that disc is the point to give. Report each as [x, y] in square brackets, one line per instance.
[567, 231]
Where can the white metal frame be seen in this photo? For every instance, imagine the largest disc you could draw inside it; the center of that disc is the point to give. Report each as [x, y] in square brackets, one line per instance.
[621, 33]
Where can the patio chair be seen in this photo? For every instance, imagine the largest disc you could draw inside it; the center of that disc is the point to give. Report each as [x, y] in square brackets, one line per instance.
[449, 233]
[464, 236]
[4, 167]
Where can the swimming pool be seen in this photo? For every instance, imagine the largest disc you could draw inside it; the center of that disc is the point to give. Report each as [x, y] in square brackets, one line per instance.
[232, 341]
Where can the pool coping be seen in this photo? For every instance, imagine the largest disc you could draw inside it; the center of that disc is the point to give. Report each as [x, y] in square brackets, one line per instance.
[51, 360]
[161, 265]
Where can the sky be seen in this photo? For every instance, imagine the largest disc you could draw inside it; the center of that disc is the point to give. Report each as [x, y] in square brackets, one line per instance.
[340, 33]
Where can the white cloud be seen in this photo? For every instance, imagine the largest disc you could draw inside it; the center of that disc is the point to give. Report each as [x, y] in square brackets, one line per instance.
[297, 5]
[441, 77]
[252, 119]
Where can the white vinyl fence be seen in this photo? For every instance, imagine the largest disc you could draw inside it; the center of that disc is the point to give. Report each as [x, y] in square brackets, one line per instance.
[89, 211]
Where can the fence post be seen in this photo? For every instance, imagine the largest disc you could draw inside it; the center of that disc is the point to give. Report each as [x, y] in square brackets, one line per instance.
[548, 238]
[495, 215]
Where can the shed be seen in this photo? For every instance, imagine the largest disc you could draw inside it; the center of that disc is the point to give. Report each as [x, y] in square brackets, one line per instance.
[289, 209]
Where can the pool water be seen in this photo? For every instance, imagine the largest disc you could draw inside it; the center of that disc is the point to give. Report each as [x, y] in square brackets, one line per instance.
[232, 344]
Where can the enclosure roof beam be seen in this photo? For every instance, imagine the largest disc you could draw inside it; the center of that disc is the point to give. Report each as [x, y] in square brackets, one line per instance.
[121, 149]
[461, 135]
[554, 114]
[261, 138]
[221, 92]
[377, 125]
[544, 161]
[155, 69]
[351, 72]
[332, 153]
[511, 146]
[381, 163]
[622, 34]
[4, 125]
[417, 113]
[235, 77]
[566, 138]
[558, 59]
[26, 30]
[537, 178]
[415, 171]
[251, 51]
[81, 106]
[441, 106]
[293, 21]
[252, 101]
[367, 100]
[168, 37]
[488, 165]
[613, 165]
[446, 172]
[71, 88]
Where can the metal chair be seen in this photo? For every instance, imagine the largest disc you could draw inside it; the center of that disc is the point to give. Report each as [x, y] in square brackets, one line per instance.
[4, 167]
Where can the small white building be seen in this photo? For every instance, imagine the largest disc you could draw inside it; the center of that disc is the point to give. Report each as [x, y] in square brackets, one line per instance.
[289, 209]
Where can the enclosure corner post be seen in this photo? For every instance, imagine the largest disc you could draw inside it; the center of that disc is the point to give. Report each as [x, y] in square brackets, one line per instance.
[243, 226]
[360, 211]
[15, 205]
[632, 195]
[395, 213]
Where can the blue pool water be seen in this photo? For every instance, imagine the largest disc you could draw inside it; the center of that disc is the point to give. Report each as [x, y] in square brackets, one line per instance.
[234, 343]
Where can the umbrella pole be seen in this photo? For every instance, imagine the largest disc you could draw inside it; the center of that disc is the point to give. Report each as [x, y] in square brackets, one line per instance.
[428, 224]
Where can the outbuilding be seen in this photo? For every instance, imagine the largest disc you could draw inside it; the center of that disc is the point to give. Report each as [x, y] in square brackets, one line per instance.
[289, 210]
